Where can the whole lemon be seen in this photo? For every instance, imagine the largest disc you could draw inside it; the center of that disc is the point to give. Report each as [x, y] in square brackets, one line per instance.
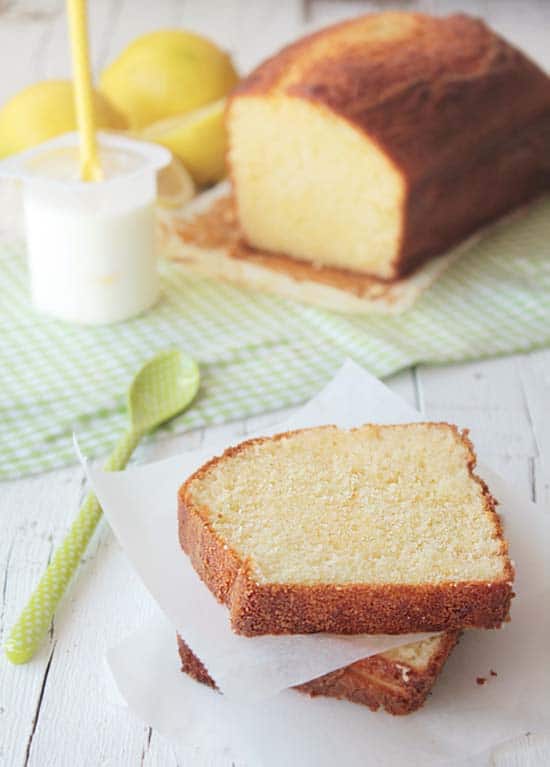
[167, 73]
[45, 110]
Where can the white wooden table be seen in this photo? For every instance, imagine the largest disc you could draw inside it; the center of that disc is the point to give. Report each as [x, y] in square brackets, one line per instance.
[54, 711]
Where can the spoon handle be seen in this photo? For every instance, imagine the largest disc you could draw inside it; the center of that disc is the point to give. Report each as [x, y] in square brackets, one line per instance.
[90, 167]
[35, 620]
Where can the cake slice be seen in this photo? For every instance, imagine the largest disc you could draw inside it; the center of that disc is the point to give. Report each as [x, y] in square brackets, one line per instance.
[398, 680]
[380, 142]
[379, 529]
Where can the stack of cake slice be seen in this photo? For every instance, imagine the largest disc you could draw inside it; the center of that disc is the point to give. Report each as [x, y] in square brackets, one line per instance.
[377, 530]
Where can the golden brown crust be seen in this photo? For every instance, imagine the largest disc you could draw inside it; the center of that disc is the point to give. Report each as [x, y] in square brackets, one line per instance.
[267, 608]
[380, 681]
[374, 682]
[462, 114]
[193, 666]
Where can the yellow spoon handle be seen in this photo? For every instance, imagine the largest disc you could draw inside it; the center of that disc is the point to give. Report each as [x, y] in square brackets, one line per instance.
[90, 169]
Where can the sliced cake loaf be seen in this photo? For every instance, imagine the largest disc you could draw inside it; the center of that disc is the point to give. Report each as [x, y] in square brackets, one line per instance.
[398, 680]
[379, 529]
[378, 143]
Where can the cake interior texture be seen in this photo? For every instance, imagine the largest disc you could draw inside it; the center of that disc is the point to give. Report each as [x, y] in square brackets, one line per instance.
[362, 212]
[416, 655]
[378, 504]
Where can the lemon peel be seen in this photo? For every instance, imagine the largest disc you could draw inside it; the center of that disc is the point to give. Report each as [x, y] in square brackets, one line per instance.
[45, 110]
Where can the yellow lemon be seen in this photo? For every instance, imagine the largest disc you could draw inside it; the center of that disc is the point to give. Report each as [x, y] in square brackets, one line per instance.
[175, 186]
[45, 110]
[198, 139]
[167, 73]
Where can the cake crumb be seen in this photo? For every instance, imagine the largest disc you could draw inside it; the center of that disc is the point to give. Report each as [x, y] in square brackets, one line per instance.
[481, 680]
[493, 673]
[405, 672]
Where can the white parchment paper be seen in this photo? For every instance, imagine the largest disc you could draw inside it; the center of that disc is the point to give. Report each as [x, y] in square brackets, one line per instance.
[461, 720]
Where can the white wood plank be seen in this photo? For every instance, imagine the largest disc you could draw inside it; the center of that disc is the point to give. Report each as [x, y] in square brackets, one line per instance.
[55, 59]
[540, 481]
[23, 31]
[128, 19]
[529, 750]
[32, 513]
[534, 380]
[249, 31]
[485, 397]
[106, 602]
[159, 752]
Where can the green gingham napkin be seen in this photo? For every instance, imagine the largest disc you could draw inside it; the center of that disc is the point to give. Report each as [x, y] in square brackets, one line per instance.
[257, 352]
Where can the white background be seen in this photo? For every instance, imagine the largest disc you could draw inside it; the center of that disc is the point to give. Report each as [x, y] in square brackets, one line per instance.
[54, 711]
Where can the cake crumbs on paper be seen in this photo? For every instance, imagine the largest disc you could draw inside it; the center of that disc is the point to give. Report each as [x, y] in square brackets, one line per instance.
[481, 679]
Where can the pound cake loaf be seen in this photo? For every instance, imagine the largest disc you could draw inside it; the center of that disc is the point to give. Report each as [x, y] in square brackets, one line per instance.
[398, 680]
[379, 529]
[380, 142]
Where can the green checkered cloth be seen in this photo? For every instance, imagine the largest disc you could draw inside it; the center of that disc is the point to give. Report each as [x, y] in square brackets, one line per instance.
[257, 353]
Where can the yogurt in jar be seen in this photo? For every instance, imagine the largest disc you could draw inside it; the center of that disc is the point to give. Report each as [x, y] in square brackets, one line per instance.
[91, 245]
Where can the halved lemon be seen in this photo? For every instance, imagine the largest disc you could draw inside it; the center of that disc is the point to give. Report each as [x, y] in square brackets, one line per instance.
[175, 186]
[197, 138]
[166, 73]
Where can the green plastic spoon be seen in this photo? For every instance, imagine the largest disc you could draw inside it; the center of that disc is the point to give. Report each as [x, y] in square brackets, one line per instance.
[163, 387]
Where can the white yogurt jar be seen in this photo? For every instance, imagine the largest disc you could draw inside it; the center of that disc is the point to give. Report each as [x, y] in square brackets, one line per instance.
[91, 246]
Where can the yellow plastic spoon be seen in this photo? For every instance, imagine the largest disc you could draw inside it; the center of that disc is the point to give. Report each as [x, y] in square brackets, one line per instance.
[163, 387]
[90, 166]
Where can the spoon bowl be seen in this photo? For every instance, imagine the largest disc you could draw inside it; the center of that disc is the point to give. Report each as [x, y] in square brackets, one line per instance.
[161, 389]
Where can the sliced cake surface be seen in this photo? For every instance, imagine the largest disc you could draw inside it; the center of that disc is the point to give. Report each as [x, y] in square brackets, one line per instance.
[398, 680]
[380, 142]
[380, 529]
